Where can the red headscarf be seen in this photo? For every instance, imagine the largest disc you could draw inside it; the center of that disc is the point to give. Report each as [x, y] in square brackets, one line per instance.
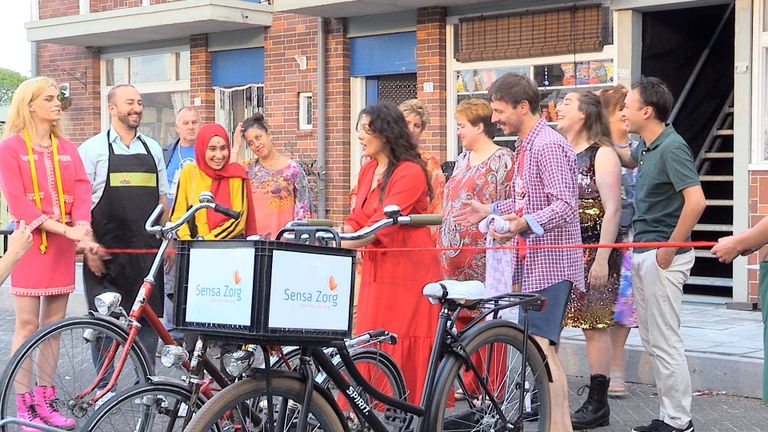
[220, 177]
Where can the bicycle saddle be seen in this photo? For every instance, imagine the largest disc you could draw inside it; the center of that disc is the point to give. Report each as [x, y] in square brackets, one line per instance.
[458, 291]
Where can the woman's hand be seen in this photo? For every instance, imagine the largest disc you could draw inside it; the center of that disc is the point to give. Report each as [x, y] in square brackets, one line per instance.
[88, 246]
[20, 240]
[598, 274]
[728, 248]
[77, 233]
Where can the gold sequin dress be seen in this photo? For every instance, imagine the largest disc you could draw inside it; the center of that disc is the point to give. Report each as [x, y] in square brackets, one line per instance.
[594, 308]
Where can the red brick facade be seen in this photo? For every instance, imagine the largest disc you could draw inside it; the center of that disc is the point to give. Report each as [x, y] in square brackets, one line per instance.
[55, 9]
[108, 5]
[758, 209]
[430, 65]
[200, 85]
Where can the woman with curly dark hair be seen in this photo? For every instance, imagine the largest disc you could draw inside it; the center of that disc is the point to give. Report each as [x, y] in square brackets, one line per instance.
[390, 292]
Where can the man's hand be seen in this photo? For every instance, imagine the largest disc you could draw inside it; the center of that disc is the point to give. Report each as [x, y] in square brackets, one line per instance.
[728, 248]
[95, 262]
[471, 213]
[664, 257]
[517, 225]
[20, 240]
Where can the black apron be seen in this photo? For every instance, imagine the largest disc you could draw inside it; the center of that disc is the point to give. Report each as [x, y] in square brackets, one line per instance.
[130, 195]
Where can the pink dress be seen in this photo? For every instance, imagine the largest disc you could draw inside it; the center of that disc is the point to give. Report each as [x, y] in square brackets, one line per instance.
[279, 196]
[51, 273]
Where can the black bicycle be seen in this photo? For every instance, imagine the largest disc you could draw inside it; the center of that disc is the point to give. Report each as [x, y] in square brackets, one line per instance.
[487, 376]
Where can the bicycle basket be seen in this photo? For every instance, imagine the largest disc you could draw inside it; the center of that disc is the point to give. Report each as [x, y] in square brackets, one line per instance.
[264, 291]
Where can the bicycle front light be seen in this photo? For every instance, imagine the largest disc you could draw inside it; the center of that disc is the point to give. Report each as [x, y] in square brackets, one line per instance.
[237, 362]
[107, 302]
[173, 355]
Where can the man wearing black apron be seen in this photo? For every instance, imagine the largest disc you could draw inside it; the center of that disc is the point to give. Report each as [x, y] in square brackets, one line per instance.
[128, 181]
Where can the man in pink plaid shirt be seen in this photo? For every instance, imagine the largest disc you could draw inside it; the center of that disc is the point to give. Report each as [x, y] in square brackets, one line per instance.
[544, 211]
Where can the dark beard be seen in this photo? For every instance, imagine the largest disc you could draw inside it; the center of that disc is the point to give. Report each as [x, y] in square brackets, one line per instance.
[123, 118]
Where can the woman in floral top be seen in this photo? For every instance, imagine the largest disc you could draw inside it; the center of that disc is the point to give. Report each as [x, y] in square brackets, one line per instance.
[280, 188]
[484, 173]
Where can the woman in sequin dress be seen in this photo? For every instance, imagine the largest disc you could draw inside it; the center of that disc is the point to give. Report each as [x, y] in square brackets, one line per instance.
[581, 120]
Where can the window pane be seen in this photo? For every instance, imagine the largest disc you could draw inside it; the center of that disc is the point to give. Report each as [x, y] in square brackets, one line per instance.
[152, 68]
[182, 66]
[117, 71]
[160, 114]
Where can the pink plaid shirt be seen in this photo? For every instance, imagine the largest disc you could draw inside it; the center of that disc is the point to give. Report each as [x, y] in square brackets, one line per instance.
[550, 204]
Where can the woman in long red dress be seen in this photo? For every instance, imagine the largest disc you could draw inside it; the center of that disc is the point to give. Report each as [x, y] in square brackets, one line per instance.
[390, 293]
[45, 184]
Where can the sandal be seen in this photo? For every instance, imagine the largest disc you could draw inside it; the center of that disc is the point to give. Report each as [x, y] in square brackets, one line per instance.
[618, 388]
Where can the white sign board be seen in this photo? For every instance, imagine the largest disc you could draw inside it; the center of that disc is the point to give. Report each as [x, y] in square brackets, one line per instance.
[220, 287]
[310, 291]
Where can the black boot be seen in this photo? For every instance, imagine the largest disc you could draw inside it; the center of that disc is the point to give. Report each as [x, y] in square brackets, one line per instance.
[595, 411]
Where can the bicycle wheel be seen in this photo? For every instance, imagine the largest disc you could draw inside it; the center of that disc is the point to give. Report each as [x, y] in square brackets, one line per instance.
[383, 373]
[460, 404]
[148, 407]
[66, 354]
[245, 406]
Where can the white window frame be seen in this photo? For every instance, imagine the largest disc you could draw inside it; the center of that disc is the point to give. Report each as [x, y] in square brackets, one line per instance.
[306, 101]
[759, 136]
[143, 88]
[85, 7]
[608, 52]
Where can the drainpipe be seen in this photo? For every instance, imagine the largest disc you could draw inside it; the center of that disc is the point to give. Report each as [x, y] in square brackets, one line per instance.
[322, 173]
[33, 62]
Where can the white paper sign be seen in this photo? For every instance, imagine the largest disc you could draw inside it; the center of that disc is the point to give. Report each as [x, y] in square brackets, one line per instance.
[310, 291]
[220, 285]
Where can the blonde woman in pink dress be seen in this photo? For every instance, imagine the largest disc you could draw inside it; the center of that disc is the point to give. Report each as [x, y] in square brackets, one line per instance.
[280, 187]
[45, 185]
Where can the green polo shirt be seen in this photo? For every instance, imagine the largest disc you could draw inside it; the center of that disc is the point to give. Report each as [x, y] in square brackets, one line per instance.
[665, 168]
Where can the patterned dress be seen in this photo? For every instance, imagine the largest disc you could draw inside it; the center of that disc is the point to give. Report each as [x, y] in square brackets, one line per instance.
[487, 182]
[625, 313]
[594, 308]
[280, 196]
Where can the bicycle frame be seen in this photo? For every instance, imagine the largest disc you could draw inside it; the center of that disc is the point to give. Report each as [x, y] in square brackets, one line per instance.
[446, 343]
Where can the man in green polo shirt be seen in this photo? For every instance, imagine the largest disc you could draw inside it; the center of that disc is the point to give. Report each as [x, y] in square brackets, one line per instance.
[668, 203]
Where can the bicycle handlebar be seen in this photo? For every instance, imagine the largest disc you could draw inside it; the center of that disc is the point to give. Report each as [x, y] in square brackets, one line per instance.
[206, 202]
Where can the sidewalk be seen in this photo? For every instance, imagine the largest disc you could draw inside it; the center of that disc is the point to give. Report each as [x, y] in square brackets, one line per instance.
[724, 349]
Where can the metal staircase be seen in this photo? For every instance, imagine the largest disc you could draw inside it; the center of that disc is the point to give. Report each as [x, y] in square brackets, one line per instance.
[715, 166]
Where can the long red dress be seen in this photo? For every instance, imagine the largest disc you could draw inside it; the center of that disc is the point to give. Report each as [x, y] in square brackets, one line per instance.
[390, 292]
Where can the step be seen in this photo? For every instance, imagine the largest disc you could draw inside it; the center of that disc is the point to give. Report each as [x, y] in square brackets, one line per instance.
[720, 202]
[718, 155]
[728, 178]
[711, 281]
[724, 132]
[713, 227]
[703, 253]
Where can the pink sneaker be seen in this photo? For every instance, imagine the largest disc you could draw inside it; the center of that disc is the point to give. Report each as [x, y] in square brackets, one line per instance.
[45, 408]
[25, 410]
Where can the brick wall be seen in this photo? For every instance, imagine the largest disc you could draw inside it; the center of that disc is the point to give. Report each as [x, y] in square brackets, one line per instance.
[758, 208]
[430, 64]
[58, 8]
[108, 5]
[80, 68]
[200, 77]
[338, 115]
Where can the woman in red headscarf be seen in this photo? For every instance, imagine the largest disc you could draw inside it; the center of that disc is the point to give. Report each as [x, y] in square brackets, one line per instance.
[228, 182]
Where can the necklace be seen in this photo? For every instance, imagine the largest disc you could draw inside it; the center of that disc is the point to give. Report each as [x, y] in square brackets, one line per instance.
[36, 187]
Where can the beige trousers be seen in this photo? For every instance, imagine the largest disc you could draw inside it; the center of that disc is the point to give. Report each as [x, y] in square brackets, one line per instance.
[658, 297]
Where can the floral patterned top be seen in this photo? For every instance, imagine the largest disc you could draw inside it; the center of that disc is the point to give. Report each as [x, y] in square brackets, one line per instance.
[279, 196]
[487, 182]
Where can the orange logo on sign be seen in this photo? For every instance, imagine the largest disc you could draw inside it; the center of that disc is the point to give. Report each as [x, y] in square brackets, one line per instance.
[332, 283]
[238, 278]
